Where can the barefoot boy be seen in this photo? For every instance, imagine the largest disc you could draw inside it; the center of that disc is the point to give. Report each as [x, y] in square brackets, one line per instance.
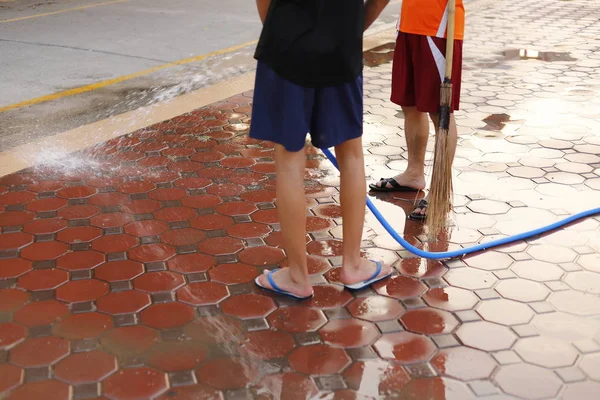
[309, 80]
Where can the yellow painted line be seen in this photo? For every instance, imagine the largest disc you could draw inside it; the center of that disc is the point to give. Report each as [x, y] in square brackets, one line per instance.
[99, 85]
[61, 11]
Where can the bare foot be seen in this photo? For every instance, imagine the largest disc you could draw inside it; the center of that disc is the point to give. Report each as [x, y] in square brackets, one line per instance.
[365, 271]
[405, 179]
[284, 281]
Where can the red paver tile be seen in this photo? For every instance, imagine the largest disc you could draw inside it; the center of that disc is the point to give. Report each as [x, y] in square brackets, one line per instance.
[106, 181]
[249, 230]
[83, 326]
[211, 222]
[174, 214]
[261, 255]
[505, 312]
[45, 186]
[47, 390]
[405, 347]
[268, 344]
[108, 199]
[225, 373]
[39, 352]
[126, 302]
[41, 251]
[318, 359]
[79, 234]
[10, 377]
[152, 253]
[192, 183]
[136, 187]
[325, 248]
[329, 297]
[183, 237]
[215, 329]
[45, 312]
[47, 204]
[135, 383]
[349, 333]
[15, 218]
[143, 206]
[12, 299]
[236, 208]
[201, 201]
[13, 198]
[45, 226]
[14, 267]
[225, 189]
[162, 281]
[528, 381]
[111, 220]
[191, 263]
[194, 392]
[86, 367]
[259, 196]
[43, 279]
[129, 340]
[464, 363]
[318, 224]
[400, 287]
[208, 156]
[78, 212]
[122, 270]
[146, 228]
[451, 299]
[167, 194]
[438, 389]
[114, 243]
[297, 319]
[429, 321]
[376, 378]
[220, 246]
[11, 334]
[168, 315]
[246, 178]
[82, 290]
[289, 385]
[15, 240]
[546, 352]
[76, 192]
[246, 306]
[486, 336]
[80, 260]
[266, 216]
[202, 293]
[231, 274]
[177, 356]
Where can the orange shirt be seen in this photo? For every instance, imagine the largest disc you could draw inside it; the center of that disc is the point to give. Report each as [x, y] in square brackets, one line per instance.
[430, 17]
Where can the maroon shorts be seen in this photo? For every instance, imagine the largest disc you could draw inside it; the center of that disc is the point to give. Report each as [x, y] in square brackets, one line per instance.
[418, 70]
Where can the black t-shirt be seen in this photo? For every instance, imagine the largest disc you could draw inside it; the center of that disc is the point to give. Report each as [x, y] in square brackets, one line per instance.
[313, 43]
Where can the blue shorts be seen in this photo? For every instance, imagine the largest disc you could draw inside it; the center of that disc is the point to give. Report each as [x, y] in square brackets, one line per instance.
[283, 112]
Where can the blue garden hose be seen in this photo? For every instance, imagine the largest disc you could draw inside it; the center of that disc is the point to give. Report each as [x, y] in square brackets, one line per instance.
[474, 249]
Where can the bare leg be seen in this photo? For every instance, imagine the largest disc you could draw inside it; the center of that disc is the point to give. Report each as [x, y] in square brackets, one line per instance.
[353, 197]
[452, 140]
[291, 209]
[416, 128]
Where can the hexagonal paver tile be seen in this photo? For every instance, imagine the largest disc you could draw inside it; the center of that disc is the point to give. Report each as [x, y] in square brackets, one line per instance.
[220, 246]
[522, 290]
[86, 367]
[177, 356]
[489, 261]
[191, 263]
[546, 352]
[43, 279]
[202, 293]
[80, 260]
[191, 393]
[15, 218]
[246, 306]
[76, 192]
[591, 262]
[11, 334]
[589, 364]
[215, 329]
[267, 344]
[442, 388]
[429, 321]
[160, 281]
[12, 299]
[235, 273]
[528, 381]
[468, 278]
[584, 281]
[167, 315]
[226, 373]
[383, 377]
[400, 287]
[83, 211]
[39, 352]
[526, 172]
[45, 226]
[79, 234]
[135, 383]
[126, 302]
[41, 251]
[129, 340]
[581, 390]
[149, 227]
[15, 240]
[349, 333]
[486, 336]
[83, 326]
[537, 270]
[296, 319]
[318, 359]
[114, 243]
[329, 297]
[13, 198]
[288, 384]
[464, 363]
[82, 290]
[566, 327]
[10, 377]
[552, 254]
[577, 303]
[451, 299]
[505, 312]
[122, 270]
[405, 347]
[40, 313]
[183, 237]
[489, 207]
[261, 255]
[14, 267]
[46, 389]
[152, 253]
[375, 308]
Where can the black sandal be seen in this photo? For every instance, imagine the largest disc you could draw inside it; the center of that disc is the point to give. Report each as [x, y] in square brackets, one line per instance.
[418, 216]
[396, 187]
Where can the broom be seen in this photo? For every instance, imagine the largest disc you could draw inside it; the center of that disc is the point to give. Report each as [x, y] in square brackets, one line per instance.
[441, 192]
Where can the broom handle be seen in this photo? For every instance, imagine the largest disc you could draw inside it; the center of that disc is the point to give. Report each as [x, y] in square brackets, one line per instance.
[450, 38]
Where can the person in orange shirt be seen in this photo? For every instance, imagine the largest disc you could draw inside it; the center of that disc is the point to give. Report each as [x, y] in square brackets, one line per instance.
[417, 73]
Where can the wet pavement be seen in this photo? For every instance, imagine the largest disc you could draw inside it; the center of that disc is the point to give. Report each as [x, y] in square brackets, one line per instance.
[126, 271]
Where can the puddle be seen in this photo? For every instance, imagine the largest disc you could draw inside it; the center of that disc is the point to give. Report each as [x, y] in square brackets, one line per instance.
[529, 54]
[500, 122]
